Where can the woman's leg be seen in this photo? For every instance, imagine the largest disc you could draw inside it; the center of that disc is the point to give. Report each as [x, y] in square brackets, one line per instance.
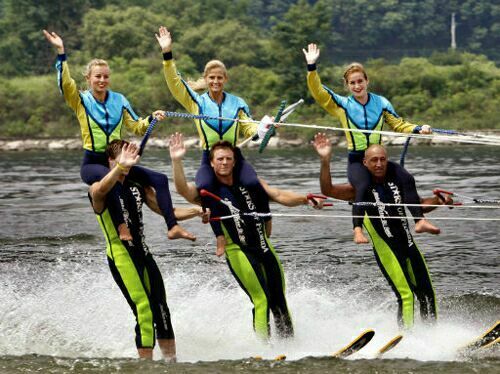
[410, 195]
[91, 173]
[360, 178]
[245, 172]
[159, 181]
[205, 176]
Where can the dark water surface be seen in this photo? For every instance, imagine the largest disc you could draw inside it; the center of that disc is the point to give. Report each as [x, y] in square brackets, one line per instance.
[60, 310]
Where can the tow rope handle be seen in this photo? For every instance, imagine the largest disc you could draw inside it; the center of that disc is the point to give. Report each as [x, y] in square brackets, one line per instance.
[312, 197]
[272, 129]
[205, 193]
[439, 193]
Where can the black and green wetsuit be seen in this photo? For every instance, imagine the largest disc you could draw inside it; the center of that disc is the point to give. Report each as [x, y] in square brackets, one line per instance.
[251, 257]
[396, 252]
[135, 271]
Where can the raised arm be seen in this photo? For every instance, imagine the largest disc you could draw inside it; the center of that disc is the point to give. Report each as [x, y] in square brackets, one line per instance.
[129, 156]
[324, 97]
[178, 88]
[177, 152]
[55, 40]
[323, 146]
[66, 83]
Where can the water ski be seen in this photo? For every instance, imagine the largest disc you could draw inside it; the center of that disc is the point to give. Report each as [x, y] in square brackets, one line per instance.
[390, 345]
[488, 339]
[355, 345]
[492, 344]
[277, 358]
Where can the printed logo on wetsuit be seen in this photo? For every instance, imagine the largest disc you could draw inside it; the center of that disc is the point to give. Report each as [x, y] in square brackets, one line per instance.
[258, 221]
[238, 222]
[401, 211]
[136, 193]
[164, 317]
[382, 213]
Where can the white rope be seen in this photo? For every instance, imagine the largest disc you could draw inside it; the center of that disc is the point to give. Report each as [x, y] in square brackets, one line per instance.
[347, 216]
[367, 203]
[469, 138]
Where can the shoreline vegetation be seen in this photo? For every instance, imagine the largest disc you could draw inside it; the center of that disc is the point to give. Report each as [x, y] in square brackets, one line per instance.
[261, 44]
[276, 142]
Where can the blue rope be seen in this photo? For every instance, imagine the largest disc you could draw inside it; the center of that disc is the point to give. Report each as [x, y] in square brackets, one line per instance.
[191, 116]
[449, 132]
[407, 145]
[150, 128]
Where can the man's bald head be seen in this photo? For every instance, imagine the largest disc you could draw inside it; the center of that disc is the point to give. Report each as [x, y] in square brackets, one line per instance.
[376, 161]
[375, 149]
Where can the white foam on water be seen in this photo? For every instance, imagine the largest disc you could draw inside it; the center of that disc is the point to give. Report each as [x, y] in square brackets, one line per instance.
[76, 310]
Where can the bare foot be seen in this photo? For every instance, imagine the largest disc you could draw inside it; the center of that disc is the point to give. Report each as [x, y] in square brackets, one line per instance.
[167, 347]
[146, 353]
[359, 237]
[425, 226]
[124, 232]
[177, 232]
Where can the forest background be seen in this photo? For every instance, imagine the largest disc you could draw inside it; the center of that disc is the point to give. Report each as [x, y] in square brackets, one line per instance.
[405, 46]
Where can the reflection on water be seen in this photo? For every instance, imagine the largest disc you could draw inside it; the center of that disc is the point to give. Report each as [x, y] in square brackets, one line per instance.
[58, 298]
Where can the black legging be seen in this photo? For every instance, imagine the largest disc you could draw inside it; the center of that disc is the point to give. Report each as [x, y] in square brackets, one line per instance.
[95, 166]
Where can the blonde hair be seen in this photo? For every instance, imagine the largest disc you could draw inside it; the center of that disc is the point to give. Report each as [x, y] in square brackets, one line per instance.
[200, 84]
[354, 67]
[91, 64]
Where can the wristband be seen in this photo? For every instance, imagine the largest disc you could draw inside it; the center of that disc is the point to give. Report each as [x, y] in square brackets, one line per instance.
[121, 167]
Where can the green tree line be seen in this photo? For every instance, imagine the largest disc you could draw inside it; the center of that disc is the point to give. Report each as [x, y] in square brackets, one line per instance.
[404, 45]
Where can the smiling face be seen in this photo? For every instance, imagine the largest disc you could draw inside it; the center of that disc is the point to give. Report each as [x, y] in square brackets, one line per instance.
[215, 79]
[98, 79]
[358, 85]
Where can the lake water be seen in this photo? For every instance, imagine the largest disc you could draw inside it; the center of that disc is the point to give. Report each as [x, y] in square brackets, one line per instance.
[60, 310]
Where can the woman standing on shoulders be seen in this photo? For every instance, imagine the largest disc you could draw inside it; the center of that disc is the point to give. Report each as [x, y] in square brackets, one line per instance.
[102, 115]
[366, 111]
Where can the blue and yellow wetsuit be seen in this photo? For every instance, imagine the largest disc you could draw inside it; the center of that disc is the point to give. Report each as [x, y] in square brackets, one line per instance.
[101, 123]
[251, 257]
[396, 252]
[371, 116]
[134, 269]
[211, 130]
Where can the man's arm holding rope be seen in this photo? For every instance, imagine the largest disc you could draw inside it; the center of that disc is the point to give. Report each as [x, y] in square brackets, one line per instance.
[289, 198]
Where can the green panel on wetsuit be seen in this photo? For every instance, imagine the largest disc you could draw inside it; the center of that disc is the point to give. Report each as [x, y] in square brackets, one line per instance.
[100, 139]
[119, 255]
[245, 273]
[411, 275]
[394, 271]
[214, 136]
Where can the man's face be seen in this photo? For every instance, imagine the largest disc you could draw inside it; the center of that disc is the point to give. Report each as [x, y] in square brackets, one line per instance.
[376, 161]
[223, 162]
